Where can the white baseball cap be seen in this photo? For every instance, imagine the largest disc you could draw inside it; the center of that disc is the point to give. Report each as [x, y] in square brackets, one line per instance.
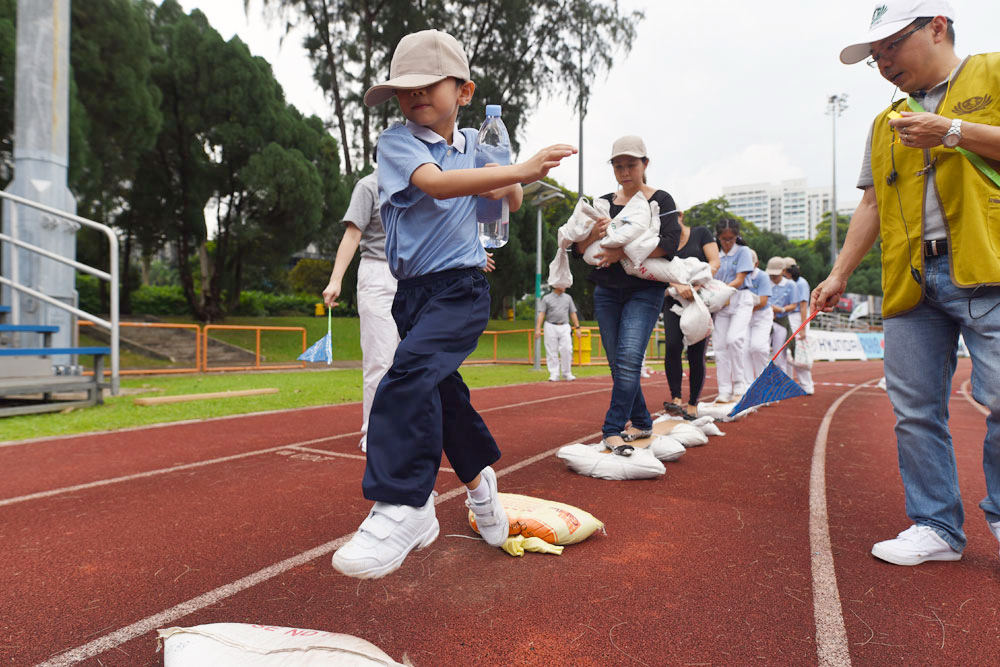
[891, 16]
[630, 145]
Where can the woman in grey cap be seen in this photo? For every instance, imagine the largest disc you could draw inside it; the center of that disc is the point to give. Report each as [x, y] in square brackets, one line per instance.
[627, 307]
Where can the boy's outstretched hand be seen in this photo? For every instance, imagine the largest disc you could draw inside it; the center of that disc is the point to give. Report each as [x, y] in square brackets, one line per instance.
[538, 165]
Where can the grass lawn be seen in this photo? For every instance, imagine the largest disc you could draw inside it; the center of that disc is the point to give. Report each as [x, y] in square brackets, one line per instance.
[297, 389]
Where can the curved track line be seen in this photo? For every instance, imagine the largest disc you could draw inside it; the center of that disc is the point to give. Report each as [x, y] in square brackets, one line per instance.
[162, 619]
[831, 637]
[967, 393]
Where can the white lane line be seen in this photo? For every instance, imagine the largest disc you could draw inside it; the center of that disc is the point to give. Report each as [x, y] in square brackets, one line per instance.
[224, 459]
[151, 473]
[359, 457]
[164, 618]
[831, 636]
[967, 392]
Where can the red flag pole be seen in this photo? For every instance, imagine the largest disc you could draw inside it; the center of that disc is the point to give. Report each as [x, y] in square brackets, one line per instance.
[797, 332]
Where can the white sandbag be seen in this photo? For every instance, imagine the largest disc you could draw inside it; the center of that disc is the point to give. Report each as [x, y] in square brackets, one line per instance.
[630, 223]
[696, 321]
[707, 426]
[684, 432]
[594, 461]
[666, 448]
[656, 268]
[720, 411]
[715, 294]
[881, 384]
[247, 645]
[802, 357]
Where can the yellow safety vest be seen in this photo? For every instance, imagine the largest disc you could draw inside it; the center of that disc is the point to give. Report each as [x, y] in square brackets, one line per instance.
[970, 201]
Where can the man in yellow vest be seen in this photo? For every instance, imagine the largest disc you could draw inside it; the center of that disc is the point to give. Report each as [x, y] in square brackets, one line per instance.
[932, 193]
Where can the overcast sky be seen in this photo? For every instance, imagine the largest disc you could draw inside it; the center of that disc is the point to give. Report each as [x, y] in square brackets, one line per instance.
[727, 92]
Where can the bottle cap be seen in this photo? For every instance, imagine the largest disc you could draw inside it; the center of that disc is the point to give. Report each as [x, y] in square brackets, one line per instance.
[493, 110]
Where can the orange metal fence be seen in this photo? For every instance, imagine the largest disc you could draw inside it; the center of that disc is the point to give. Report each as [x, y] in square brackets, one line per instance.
[157, 325]
[257, 365]
[597, 357]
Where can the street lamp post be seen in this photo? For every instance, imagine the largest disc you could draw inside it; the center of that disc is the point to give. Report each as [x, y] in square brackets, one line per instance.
[541, 194]
[835, 106]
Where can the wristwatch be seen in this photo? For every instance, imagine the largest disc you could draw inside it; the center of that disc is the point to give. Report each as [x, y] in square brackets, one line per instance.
[953, 135]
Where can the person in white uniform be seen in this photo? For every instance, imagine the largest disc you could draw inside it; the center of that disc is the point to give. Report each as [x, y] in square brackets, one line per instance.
[796, 317]
[782, 301]
[758, 350]
[732, 322]
[376, 289]
[556, 311]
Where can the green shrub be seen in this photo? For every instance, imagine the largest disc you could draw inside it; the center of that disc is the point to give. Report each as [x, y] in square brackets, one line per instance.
[88, 287]
[310, 276]
[265, 304]
[159, 300]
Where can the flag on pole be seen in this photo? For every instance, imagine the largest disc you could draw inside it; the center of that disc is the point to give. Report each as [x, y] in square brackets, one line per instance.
[772, 385]
[321, 350]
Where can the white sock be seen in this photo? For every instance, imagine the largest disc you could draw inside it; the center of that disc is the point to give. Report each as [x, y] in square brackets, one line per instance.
[481, 493]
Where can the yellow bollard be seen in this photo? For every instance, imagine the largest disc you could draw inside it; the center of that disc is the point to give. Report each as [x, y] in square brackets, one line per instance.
[581, 348]
[320, 310]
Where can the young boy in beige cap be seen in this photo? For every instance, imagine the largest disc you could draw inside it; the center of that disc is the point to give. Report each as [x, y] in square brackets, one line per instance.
[428, 185]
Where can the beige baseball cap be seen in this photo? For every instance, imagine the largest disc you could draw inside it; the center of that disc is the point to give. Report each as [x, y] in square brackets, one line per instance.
[775, 266]
[891, 16]
[421, 59]
[628, 145]
[790, 261]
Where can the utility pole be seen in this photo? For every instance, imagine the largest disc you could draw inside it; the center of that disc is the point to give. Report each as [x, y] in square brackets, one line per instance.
[835, 106]
[582, 106]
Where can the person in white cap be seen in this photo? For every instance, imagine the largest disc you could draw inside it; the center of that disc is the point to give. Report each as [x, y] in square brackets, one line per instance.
[758, 348]
[932, 193]
[628, 307]
[428, 185]
[782, 302]
[798, 315]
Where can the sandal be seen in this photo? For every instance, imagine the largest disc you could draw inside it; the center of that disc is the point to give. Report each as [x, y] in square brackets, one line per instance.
[673, 408]
[620, 450]
[632, 437]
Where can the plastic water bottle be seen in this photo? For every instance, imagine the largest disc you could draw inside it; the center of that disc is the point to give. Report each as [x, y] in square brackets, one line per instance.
[493, 145]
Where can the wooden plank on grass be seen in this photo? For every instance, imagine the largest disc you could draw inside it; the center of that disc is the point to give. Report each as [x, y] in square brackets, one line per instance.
[160, 400]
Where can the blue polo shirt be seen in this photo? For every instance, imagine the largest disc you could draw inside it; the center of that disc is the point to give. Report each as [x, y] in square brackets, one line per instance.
[737, 260]
[781, 294]
[759, 283]
[422, 234]
[803, 289]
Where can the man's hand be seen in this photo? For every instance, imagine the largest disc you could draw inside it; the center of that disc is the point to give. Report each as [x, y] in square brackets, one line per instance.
[538, 333]
[490, 264]
[921, 129]
[827, 294]
[331, 293]
[537, 166]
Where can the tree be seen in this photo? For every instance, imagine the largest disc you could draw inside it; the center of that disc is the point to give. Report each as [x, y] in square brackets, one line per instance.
[867, 278]
[8, 48]
[519, 51]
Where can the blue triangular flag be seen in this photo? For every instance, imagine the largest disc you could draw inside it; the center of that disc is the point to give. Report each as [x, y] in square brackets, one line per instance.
[321, 350]
[771, 385]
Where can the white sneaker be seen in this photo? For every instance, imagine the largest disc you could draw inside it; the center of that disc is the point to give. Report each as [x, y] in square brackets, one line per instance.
[995, 527]
[385, 538]
[914, 546]
[724, 398]
[491, 518]
[569, 378]
[553, 379]
[363, 444]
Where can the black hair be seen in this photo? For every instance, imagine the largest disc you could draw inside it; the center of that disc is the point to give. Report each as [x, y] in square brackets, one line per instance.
[728, 223]
[794, 271]
[950, 33]
[375, 152]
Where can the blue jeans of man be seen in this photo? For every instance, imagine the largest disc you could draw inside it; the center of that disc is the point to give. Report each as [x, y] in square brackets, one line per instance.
[422, 404]
[921, 352]
[626, 318]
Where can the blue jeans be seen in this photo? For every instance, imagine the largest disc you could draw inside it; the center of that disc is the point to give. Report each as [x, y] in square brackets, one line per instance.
[920, 357]
[626, 318]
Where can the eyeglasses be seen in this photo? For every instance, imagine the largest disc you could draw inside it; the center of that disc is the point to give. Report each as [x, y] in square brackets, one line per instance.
[894, 44]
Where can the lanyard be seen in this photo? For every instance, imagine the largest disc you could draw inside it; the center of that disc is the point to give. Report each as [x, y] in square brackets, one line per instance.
[978, 162]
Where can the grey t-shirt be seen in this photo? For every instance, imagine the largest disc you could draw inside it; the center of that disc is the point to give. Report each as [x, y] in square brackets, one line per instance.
[363, 214]
[934, 225]
[557, 307]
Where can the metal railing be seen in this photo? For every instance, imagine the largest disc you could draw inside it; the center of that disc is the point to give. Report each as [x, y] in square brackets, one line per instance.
[110, 276]
[257, 365]
[160, 325]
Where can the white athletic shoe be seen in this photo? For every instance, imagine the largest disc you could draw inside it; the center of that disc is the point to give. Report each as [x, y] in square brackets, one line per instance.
[724, 398]
[385, 538]
[363, 444]
[491, 518]
[569, 378]
[914, 546]
[995, 527]
[553, 378]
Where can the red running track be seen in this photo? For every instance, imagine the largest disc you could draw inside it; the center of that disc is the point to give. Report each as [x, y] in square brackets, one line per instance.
[104, 538]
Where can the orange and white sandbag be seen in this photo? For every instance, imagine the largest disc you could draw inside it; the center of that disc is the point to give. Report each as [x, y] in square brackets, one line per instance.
[720, 411]
[551, 521]
[248, 645]
[596, 461]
